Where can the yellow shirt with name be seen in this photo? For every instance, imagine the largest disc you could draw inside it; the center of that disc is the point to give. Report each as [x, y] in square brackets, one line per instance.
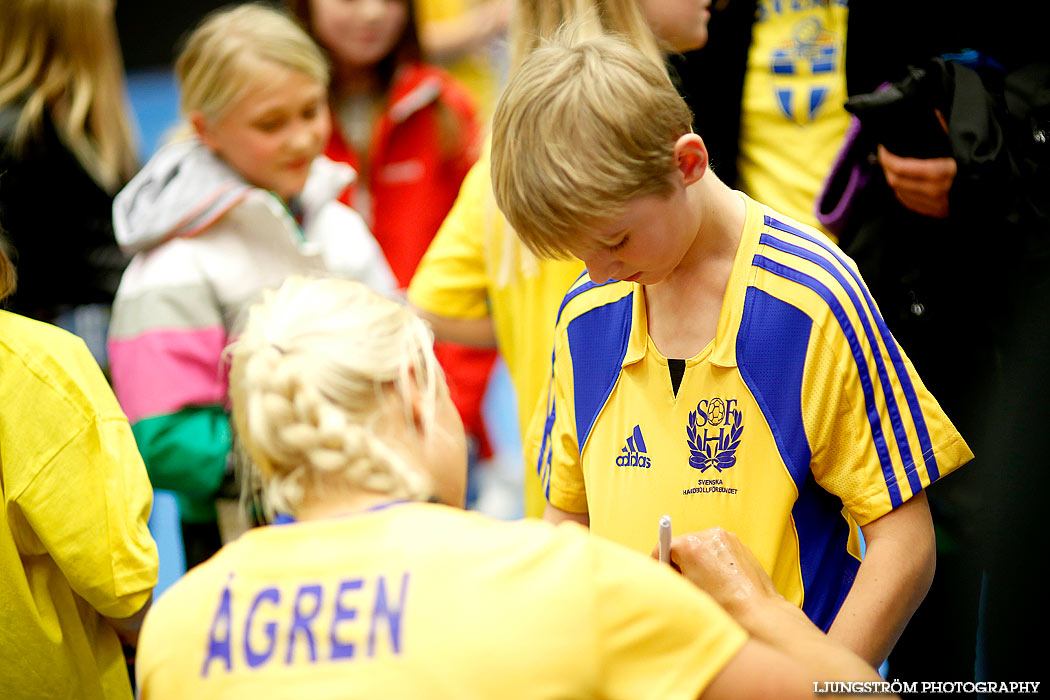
[792, 118]
[417, 600]
[800, 421]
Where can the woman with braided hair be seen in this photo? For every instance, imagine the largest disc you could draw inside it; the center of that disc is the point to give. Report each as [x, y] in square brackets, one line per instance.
[339, 400]
[371, 585]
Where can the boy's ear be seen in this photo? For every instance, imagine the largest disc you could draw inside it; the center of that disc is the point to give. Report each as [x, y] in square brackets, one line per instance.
[202, 128]
[690, 155]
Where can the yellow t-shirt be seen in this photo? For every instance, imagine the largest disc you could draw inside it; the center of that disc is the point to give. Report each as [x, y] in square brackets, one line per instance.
[476, 267]
[74, 543]
[800, 421]
[416, 600]
[792, 118]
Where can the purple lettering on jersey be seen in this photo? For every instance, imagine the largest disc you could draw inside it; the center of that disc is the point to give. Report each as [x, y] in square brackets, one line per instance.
[269, 629]
[219, 647]
[343, 650]
[392, 615]
[302, 619]
[310, 607]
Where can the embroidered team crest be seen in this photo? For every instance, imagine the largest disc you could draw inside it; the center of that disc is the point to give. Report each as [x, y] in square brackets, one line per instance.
[812, 51]
[714, 432]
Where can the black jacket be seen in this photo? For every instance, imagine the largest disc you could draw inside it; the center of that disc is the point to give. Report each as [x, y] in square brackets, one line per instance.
[58, 223]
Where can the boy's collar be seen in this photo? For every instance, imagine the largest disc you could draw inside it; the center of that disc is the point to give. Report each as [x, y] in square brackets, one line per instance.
[729, 319]
[723, 354]
[637, 337]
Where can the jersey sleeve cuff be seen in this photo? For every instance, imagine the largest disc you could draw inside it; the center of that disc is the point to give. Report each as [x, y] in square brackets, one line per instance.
[949, 456]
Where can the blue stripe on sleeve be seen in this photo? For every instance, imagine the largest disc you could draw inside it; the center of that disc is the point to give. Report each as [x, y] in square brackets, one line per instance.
[899, 432]
[867, 388]
[597, 343]
[543, 463]
[547, 476]
[919, 420]
[771, 355]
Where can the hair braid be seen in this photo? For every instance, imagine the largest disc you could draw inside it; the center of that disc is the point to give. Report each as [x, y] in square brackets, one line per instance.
[307, 386]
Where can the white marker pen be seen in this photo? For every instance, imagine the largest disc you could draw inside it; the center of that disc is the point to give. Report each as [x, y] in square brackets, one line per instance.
[665, 539]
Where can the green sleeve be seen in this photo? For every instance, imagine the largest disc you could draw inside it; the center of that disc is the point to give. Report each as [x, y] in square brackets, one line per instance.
[186, 452]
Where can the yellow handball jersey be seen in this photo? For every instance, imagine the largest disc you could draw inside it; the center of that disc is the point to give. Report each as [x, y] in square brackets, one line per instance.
[801, 420]
[416, 600]
[792, 118]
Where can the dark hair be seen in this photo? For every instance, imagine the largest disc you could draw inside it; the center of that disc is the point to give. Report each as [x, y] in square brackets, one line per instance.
[406, 50]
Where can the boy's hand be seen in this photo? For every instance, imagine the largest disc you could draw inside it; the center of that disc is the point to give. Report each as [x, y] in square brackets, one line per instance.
[717, 562]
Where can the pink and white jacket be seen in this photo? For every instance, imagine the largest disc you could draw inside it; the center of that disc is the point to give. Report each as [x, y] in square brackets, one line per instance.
[205, 244]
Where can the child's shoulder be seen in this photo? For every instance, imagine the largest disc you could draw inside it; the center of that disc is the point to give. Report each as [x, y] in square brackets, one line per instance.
[799, 271]
[590, 302]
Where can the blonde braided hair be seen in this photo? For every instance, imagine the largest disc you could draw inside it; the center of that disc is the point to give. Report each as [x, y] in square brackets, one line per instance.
[311, 377]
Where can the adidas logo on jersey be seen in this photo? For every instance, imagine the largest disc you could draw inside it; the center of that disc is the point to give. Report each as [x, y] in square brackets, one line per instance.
[633, 453]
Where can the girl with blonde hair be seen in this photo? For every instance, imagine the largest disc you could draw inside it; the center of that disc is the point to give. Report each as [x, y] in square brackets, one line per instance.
[66, 147]
[212, 220]
[477, 283]
[375, 582]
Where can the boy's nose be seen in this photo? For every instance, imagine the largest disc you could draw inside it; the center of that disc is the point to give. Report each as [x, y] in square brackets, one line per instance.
[597, 276]
[598, 267]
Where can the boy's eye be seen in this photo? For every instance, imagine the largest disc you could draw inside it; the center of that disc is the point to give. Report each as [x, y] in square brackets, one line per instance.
[621, 244]
[311, 112]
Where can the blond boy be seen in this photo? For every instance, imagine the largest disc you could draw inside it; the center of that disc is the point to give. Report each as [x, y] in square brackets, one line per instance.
[724, 364]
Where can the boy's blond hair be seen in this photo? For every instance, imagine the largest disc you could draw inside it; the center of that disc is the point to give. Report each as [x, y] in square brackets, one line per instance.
[319, 366]
[229, 51]
[60, 58]
[582, 127]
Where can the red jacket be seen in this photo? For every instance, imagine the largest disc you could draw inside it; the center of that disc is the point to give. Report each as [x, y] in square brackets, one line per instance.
[413, 177]
[413, 180]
